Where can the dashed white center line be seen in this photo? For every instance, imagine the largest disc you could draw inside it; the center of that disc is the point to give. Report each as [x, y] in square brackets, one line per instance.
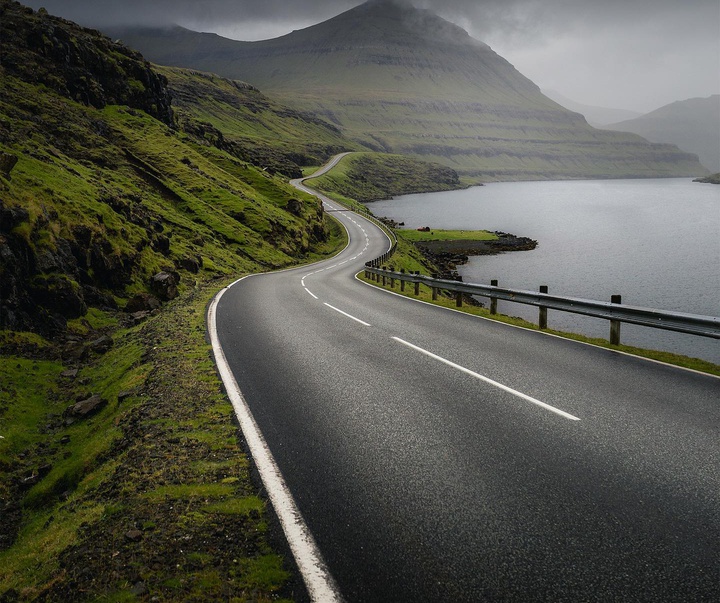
[514, 392]
[310, 292]
[362, 322]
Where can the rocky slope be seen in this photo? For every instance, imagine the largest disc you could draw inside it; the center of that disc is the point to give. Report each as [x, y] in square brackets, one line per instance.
[402, 80]
[103, 187]
[122, 212]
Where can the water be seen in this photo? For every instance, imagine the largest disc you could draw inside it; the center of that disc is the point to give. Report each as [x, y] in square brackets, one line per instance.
[656, 242]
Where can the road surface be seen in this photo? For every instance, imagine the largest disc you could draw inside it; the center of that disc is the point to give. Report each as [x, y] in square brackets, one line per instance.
[436, 456]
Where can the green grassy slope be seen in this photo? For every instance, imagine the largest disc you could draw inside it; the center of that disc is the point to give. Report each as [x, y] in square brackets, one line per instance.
[238, 118]
[402, 80]
[371, 176]
[103, 185]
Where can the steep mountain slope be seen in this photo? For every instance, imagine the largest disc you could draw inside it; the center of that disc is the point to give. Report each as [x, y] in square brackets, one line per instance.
[403, 80]
[101, 191]
[597, 117]
[122, 212]
[693, 125]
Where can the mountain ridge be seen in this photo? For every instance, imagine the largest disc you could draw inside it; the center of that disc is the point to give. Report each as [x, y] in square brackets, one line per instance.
[402, 80]
[692, 124]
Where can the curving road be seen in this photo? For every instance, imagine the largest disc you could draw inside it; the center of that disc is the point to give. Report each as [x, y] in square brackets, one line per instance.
[436, 456]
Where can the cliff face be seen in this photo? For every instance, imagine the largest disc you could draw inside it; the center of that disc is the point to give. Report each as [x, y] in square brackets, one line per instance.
[398, 79]
[78, 63]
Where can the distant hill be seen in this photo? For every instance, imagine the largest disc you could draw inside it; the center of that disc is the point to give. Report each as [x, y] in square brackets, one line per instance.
[595, 116]
[403, 80]
[693, 125]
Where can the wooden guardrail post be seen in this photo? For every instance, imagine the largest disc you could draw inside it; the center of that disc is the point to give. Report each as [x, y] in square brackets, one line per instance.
[402, 283]
[417, 285]
[458, 299]
[615, 324]
[493, 300]
[384, 280]
[542, 318]
[434, 293]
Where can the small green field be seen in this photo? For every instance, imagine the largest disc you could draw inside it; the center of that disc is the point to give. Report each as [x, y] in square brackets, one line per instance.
[420, 236]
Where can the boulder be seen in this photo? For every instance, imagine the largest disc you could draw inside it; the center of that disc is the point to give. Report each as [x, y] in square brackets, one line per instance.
[294, 207]
[86, 408]
[142, 302]
[7, 163]
[164, 285]
[101, 345]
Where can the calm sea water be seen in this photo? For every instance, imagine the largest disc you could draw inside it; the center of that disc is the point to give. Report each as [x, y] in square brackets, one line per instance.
[656, 242]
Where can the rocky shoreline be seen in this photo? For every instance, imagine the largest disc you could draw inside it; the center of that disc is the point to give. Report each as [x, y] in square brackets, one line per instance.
[448, 255]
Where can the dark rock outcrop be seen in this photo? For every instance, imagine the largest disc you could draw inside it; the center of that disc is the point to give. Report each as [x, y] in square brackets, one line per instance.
[79, 63]
[142, 302]
[7, 163]
[88, 407]
[164, 285]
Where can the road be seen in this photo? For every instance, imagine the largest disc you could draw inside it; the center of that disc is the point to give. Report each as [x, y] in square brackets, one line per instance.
[436, 456]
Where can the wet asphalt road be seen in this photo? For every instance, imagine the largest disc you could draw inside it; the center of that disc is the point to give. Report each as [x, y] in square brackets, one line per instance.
[423, 481]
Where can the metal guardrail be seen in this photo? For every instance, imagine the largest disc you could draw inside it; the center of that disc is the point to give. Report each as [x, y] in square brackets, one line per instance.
[614, 311]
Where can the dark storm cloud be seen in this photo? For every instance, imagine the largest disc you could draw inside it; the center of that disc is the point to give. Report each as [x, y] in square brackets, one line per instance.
[637, 54]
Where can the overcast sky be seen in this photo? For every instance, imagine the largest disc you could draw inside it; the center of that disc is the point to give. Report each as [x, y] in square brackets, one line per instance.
[627, 54]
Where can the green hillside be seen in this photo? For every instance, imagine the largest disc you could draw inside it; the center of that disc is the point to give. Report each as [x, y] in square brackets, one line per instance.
[239, 119]
[124, 208]
[402, 80]
[368, 177]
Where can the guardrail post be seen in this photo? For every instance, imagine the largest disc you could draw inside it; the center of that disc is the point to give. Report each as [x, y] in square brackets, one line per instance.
[458, 299]
[402, 283]
[615, 324]
[384, 281]
[417, 285]
[434, 293]
[493, 300]
[542, 318]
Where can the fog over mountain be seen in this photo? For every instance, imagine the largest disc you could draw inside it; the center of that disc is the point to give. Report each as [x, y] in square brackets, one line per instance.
[630, 54]
[693, 125]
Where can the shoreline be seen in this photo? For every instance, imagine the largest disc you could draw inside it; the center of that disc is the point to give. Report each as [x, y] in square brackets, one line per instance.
[448, 255]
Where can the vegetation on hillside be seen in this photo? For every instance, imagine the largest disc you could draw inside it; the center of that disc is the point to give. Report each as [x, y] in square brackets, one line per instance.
[122, 475]
[238, 118]
[711, 179]
[369, 177]
[402, 80]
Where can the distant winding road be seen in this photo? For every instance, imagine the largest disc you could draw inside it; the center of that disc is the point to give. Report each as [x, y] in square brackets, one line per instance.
[435, 456]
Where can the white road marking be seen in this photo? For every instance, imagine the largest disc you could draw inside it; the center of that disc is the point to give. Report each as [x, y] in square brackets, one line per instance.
[514, 392]
[320, 584]
[362, 322]
[310, 292]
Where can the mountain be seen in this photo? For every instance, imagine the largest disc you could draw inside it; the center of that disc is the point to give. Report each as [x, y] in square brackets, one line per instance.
[398, 79]
[595, 116]
[693, 125]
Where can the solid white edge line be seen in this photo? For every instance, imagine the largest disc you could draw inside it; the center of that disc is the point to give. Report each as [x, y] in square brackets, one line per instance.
[362, 322]
[505, 388]
[320, 584]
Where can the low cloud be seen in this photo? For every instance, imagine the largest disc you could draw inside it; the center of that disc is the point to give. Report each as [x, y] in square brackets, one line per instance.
[635, 54]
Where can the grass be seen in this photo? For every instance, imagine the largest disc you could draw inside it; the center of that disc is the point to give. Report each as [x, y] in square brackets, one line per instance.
[368, 177]
[417, 236]
[166, 461]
